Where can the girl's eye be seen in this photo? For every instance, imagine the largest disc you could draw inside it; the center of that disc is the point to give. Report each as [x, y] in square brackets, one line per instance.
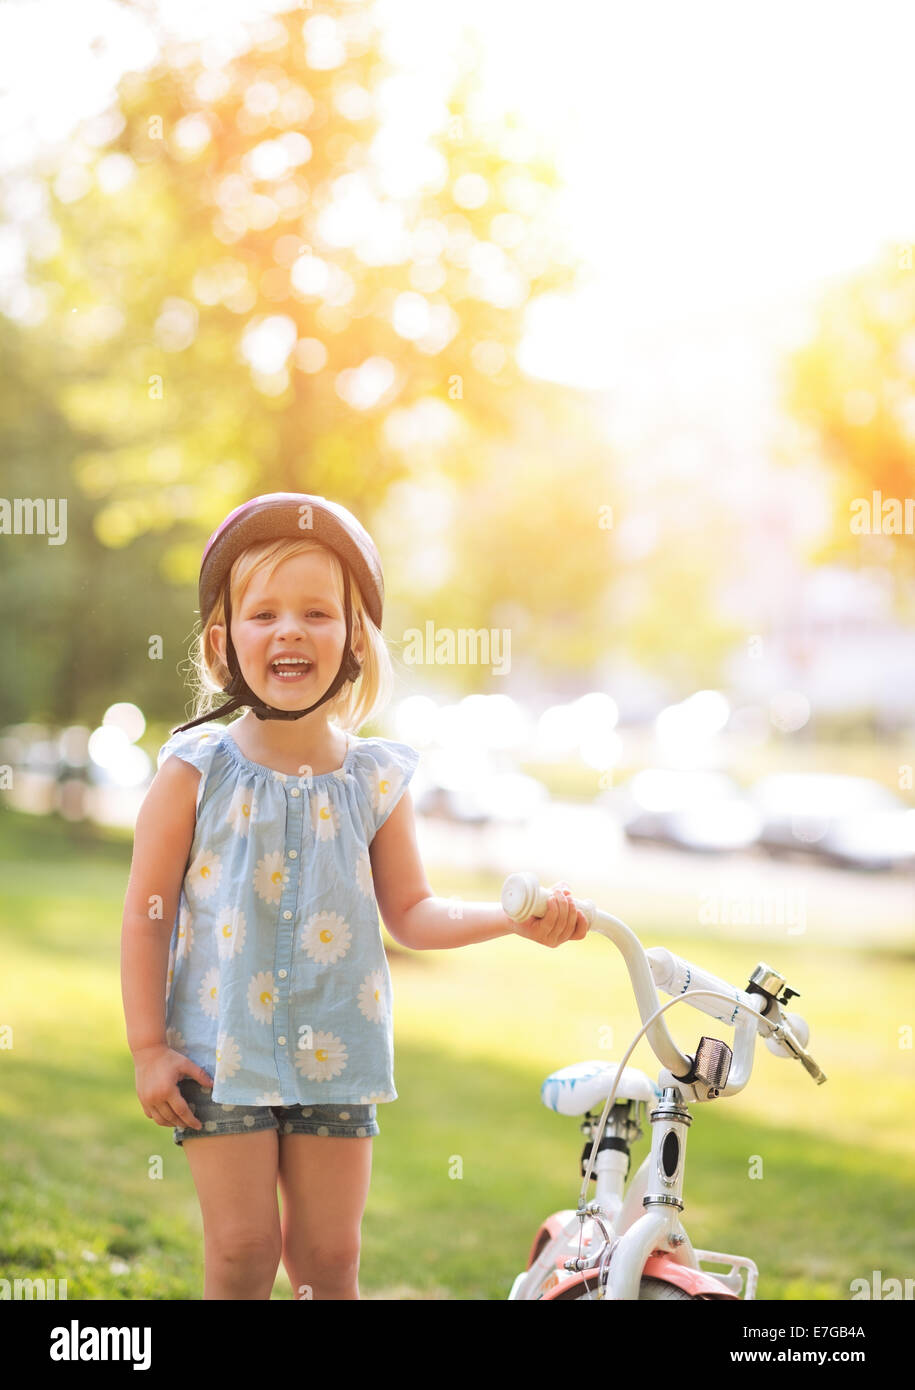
[314, 612]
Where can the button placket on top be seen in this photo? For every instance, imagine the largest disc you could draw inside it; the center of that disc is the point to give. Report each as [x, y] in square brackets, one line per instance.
[284, 1039]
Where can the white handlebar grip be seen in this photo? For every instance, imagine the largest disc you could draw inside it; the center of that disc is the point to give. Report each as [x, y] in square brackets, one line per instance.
[674, 975]
[799, 1027]
[522, 897]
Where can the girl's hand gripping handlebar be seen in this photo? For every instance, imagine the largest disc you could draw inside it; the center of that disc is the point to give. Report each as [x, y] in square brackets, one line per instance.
[524, 901]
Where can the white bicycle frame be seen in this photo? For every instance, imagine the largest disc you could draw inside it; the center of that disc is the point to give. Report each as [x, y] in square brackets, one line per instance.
[627, 1228]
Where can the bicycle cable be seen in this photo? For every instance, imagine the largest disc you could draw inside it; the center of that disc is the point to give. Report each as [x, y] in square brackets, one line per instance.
[679, 999]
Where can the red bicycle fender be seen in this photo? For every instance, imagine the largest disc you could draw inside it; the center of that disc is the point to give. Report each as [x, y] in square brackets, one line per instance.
[547, 1230]
[691, 1281]
[694, 1281]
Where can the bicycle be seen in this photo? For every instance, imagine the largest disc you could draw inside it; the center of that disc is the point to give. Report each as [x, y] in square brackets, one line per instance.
[639, 1248]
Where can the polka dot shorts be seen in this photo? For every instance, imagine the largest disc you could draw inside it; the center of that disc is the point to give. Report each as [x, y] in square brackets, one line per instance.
[347, 1121]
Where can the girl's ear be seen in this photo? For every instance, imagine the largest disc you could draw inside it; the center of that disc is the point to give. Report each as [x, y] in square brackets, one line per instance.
[357, 644]
[218, 639]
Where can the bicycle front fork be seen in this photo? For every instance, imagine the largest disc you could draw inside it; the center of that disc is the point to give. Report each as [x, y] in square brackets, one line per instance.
[659, 1227]
[647, 1219]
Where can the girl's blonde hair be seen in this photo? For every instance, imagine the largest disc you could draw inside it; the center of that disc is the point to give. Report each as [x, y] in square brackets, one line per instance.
[355, 702]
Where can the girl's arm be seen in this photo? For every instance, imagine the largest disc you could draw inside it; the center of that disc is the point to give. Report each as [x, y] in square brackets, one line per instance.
[162, 841]
[422, 922]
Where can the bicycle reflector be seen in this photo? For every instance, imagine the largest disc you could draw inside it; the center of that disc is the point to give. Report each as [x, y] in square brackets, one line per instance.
[712, 1064]
[710, 1068]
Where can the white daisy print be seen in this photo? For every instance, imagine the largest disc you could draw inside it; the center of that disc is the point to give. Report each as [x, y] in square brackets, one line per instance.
[326, 1059]
[375, 1097]
[270, 877]
[373, 997]
[260, 996]
[274, 1098]
[176, 1041]
[240, 813]
[230, 932]
[325, 937]
[185, 932]
[325, 820]
[364, 881]
[208, 993]
[203, 874]
[384, 784]
[228, 1057]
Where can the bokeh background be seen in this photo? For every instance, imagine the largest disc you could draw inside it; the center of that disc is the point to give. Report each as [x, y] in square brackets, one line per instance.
[602, 320]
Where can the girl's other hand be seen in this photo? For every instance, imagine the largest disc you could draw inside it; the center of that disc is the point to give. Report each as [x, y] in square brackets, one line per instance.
[158, 1070]
[562, 921]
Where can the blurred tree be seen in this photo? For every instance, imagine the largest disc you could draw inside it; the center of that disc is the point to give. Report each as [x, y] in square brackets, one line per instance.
[544, 563]
[255, 271]
[267, 280]
[851, 390]
[69, 608]
[276, 270]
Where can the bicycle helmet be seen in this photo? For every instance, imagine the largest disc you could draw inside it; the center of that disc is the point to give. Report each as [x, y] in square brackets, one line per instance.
[275, 516]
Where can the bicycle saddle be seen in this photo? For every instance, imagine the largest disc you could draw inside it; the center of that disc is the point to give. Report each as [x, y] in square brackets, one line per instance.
[574, 1089]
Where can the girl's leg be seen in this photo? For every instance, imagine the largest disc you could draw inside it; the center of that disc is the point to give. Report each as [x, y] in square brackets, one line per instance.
[324, 1181]
[235, 1176]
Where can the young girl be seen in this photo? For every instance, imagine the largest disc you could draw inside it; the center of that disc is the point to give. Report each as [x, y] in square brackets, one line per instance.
[256, 989]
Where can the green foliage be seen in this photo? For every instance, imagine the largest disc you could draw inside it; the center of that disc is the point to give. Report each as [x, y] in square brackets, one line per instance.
[210, 201]
[220, 200]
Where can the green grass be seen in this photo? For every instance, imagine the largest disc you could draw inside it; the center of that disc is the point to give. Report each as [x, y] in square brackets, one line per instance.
[468, 1161]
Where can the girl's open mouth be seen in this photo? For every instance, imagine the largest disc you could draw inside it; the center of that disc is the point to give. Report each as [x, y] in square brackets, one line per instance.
[291, 671]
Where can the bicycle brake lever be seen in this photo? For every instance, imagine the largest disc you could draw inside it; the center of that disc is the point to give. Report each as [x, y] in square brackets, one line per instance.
[811, 1066]
[785, 1035]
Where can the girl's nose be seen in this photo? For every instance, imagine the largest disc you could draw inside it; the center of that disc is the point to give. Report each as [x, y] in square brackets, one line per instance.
[290, 625]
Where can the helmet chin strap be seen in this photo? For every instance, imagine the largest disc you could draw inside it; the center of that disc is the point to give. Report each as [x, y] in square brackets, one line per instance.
[242, 694]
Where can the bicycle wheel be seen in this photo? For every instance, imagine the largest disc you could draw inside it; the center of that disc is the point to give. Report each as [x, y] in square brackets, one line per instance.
[584, 1289]
[650, 1287]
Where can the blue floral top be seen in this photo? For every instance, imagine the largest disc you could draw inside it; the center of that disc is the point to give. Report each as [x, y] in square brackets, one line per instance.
[278, 983]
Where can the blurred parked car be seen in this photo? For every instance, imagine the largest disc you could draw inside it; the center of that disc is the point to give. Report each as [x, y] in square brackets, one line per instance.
[693, 810]
[847, 820]
[508, 797]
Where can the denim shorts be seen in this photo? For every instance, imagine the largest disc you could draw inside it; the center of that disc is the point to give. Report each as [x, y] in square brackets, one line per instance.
[345, 1121]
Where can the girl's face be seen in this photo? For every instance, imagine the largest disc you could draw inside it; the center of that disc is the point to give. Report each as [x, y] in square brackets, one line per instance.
[294, 612]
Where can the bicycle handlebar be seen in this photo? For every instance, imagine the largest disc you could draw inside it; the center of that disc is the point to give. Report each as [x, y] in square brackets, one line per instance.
[785, 1033]
[674, 975]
